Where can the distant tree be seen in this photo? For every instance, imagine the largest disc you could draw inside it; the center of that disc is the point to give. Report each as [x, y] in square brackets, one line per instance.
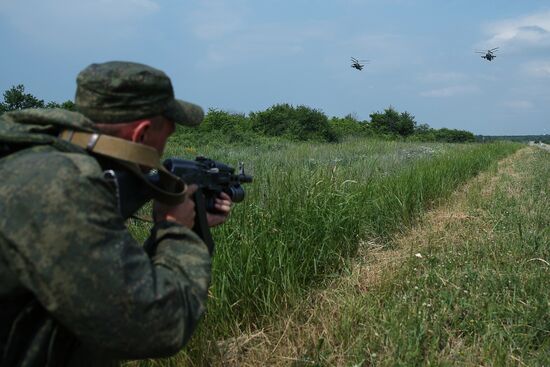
[349, 125]
[352, 116]
[385, 122]
[454, 136]
[393, 122]
[406, 124]
[67, 105]
[223, 121]
[15, 98]
[297, 123]
[423, 129]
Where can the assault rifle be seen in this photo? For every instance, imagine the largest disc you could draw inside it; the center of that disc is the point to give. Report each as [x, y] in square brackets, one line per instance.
[212, 178]
[124, 161]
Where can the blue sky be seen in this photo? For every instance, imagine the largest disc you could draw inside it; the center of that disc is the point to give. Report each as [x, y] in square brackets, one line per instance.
[246, 55]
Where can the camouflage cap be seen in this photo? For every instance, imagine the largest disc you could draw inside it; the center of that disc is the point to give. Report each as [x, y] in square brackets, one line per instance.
[118, 91]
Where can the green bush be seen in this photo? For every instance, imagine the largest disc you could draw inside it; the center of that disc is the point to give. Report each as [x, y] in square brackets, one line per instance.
[347, 126]
[454, 136]
[223, 121]
[393, 122]
[300, 123]
[424, 133]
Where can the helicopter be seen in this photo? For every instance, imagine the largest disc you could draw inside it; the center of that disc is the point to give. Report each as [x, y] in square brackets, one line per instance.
[357, 63]
[489, 54]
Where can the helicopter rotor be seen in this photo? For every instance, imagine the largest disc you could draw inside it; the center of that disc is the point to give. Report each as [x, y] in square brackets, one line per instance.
[489, 51]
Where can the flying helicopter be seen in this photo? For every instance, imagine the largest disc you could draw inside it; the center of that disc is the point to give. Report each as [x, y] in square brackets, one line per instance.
[357, 63]
[489, 54]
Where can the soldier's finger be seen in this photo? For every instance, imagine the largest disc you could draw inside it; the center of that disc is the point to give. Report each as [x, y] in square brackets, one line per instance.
[225, 208]
[221, 202]
[224, 196]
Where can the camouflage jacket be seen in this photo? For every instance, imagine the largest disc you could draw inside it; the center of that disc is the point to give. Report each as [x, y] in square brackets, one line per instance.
[76, 289]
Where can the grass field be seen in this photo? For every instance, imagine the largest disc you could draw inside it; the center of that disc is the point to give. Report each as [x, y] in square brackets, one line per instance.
[466, 286]
[306, 215]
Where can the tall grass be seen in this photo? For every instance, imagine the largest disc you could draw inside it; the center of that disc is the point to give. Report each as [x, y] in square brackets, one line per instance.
[299, 220]
[307, 209]
[477, 295]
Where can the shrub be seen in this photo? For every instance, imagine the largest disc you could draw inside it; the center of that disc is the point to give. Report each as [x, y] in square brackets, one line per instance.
[348, 125]
[393, 122]
[222, 121]
[454, 136]
[297, 123]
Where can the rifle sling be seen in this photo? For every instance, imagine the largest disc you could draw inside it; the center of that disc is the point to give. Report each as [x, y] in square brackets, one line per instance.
[171, 189]
[113, 147]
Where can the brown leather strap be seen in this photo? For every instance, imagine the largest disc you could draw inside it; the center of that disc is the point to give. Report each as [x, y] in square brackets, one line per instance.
[172, 190]
[113, 147]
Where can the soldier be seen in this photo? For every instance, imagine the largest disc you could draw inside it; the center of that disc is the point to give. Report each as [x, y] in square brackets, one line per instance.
[76, 288]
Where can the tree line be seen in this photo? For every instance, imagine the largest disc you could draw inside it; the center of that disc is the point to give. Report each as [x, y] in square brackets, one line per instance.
[299, 123]
[303, 123]
[15, 98]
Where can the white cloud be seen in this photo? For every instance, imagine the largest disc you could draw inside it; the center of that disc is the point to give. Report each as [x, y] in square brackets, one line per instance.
[388, 49]
[439, 77]
[259, 43]
[537, 69]
[233, 35]
[519, 33]
[215, 19]
[519, 104]
[55, 22]
[451, 91]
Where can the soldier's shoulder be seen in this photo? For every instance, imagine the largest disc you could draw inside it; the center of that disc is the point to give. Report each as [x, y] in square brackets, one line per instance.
[51, 164]
[58, 117]
[73, 163]
[84, 164]
[46, 179]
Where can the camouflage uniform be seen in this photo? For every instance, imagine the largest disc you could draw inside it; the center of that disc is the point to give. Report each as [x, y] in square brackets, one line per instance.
[76, 288]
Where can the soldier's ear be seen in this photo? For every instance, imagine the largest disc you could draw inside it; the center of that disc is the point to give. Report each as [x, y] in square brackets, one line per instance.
[138, 135]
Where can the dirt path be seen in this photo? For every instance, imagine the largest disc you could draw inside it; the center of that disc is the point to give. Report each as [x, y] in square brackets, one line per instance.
[540, 145]
[286, 340]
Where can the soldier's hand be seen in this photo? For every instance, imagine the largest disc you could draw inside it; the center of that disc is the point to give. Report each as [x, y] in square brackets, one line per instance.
[223, 207]
[183, 213]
